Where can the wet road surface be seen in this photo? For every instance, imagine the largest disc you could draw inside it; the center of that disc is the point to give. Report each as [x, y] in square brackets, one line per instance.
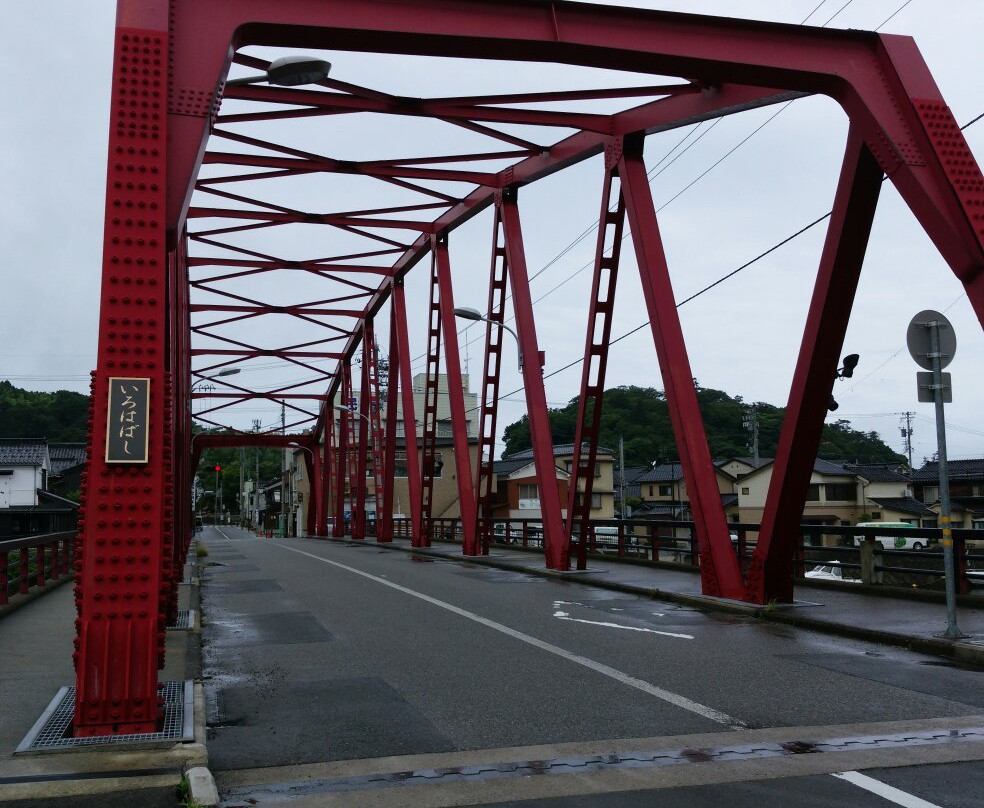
[350, 675]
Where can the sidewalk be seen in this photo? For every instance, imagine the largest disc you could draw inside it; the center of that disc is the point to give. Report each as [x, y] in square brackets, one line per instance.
[883, 617]
[36, 661]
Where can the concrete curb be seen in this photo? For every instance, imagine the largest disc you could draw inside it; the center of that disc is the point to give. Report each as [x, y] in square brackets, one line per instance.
[954, 649]
[201, 787]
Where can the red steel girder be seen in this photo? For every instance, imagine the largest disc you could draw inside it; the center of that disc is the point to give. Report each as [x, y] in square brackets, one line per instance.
[371, 390]
[432, 367]
[587, 428]
[384, 520]
[555, 539]
[770, 574]
[719, 570]
[364, 443]
[399, 315]
[491, 372]
[456, 400]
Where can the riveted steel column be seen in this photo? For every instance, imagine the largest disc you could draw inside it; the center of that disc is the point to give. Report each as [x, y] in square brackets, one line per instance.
[456, 401]
[126, 520]
[555, 539]
[409, 413]
[720, 575]
[770, 575]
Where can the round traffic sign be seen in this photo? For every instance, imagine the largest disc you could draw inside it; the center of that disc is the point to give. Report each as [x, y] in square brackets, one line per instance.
[917, 338]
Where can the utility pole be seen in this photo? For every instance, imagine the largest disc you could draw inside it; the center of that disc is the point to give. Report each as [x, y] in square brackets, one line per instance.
[242, 461]
[621, 473]
[283, 472]
[256, 485]
[907, 435]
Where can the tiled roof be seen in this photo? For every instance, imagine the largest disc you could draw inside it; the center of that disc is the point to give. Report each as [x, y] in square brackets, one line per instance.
[510, 465]
[877, 472]
[65, 456]
[957, 470]
[632, 473]
[663, 473]
[23, 451]
[831, 469]
[973, 504]
[560, 450]
[748, 461]
[903, 505]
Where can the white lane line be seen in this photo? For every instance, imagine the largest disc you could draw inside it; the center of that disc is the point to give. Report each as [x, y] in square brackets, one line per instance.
[565, 616]
[665, 695]
[884, 790]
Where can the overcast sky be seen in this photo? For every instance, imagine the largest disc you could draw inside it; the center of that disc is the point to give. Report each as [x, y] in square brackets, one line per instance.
[727, 193]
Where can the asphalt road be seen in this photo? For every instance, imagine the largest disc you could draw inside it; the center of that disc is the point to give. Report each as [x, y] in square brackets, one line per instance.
[349, 675]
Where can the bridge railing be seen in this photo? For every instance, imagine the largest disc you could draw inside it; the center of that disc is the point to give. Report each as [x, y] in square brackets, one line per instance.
[30, 562]
[674, 543]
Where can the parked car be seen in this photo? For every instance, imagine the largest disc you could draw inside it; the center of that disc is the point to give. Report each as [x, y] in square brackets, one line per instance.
[829, 571]
[896, 542]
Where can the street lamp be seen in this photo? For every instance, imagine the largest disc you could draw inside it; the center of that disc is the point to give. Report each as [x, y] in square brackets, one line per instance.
[290, 71]
[476, 316]
[225, 372]
[350, 411]
[204, 379]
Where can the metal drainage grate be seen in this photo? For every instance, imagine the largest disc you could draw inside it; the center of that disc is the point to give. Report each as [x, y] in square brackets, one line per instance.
[53, 729]
[185, 620]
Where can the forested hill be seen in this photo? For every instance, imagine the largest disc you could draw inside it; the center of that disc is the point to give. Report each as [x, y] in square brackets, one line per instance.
[60, 416]
[639, 415]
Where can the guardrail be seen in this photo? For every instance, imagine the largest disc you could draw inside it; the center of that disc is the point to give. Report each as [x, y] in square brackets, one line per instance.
[673, 543]
[30, 562]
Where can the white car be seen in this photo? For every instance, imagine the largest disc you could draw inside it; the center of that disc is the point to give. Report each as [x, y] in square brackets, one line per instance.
[829, 571]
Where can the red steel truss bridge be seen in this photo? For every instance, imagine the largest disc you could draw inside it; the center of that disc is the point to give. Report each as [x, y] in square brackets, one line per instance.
[214, 260]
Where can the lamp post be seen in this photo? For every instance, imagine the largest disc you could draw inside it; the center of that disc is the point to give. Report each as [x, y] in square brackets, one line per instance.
[204, 379]
[476, 316]
[289, 71]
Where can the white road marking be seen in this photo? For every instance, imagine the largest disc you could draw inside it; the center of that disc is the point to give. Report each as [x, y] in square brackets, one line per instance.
[884, 790]
[664, 695]
[564, 616]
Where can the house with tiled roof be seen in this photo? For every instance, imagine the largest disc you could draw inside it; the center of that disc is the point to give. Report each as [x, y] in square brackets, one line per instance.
[517, 495]
[842, 494]
[966, 490]
[24, 468]
[67, 464]
[966, 479]
[663, 491]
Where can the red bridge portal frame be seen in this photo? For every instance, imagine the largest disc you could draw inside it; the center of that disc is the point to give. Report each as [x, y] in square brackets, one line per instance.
[174, 309]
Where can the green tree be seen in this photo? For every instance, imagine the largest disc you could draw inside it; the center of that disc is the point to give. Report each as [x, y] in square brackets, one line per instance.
[640, 416]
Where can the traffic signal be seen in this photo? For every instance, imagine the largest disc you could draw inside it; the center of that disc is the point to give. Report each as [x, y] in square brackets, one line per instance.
[218, 468]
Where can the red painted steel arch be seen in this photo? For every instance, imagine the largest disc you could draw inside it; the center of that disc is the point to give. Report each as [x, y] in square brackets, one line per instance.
[168, 126]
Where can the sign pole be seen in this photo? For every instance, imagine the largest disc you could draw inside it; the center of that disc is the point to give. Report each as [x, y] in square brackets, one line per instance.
[952, 631]
[932, 344]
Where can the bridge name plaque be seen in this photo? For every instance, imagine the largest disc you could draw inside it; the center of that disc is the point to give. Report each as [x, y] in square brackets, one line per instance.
[128, 420]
